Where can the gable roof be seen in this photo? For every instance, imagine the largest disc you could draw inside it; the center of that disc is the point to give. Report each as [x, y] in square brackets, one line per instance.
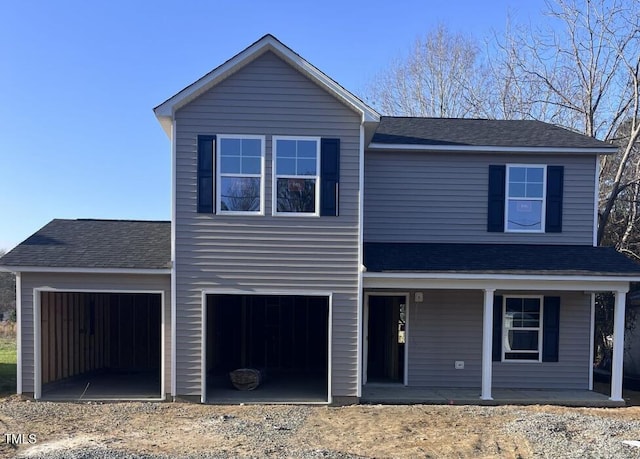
[165, 111]
[455, 134]
[99, 244]
[498, 259]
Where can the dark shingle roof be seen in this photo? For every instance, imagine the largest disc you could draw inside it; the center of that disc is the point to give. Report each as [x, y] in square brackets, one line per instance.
[95, 244]
[497, 259]
[479, 132]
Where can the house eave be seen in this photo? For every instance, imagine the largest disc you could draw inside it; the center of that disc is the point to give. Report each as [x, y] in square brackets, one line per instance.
[80, 270]
[165, 111]
[488, 149]
[439, 280]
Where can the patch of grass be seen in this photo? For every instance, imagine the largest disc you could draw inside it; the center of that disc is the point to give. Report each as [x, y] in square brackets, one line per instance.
[8, 366]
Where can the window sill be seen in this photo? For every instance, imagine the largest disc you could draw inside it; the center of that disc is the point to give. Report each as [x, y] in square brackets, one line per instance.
[295, 214]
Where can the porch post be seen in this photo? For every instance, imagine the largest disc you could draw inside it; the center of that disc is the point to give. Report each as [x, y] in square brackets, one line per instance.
[487, 343]
[618, 346]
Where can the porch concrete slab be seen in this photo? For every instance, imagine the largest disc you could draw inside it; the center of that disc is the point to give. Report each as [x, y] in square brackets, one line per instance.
[399, 394]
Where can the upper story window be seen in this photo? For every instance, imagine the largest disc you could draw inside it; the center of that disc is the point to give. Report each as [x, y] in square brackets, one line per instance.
[240, 177]
[522, 328]
[525, 206]
[296, 180]
[525, 198]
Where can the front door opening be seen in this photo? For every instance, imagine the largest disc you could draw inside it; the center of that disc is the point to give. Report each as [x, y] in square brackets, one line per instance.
[386, 337]
[284, 337]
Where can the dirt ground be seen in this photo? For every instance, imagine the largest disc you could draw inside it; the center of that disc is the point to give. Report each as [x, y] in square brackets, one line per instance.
[192, 430]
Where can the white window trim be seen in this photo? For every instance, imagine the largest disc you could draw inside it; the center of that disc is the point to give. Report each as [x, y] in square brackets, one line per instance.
[505, 332]
[219, 174]
[544, 199]
[275, 177]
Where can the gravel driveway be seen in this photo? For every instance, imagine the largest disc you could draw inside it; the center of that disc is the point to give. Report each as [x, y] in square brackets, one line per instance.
[163, 430]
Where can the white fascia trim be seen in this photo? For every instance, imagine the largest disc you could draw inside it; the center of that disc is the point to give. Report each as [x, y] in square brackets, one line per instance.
[97, 290]
[38, 269]
[489, 149]
[360, 297]
[533, 277]
[165, 111]
[19, 333]
[545, 283]
[283, 292]
[174, 297]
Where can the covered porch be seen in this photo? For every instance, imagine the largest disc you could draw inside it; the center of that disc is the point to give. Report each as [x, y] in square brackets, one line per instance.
[469, 291]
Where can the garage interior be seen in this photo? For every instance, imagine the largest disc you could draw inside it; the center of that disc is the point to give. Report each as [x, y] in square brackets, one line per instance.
[100, 346]
[286, 338]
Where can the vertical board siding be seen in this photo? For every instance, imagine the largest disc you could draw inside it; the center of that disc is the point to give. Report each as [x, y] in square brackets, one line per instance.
[447, 326]
[60, 348]
[440, 197]
[88, 357]
[266, 97]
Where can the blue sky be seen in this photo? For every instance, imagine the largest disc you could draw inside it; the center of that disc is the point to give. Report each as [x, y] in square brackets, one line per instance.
[79, 79]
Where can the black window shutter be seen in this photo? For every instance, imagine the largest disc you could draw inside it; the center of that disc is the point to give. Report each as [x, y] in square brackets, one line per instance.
[551, 329]
[206, 172]
[497, 329]
[329, 176]
[495, 208]
[553, 216]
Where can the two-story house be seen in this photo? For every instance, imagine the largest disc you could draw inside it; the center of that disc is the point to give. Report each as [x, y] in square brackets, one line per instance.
[342, 254]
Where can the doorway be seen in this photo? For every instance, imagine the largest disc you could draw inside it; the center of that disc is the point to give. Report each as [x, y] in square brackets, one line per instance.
[386, 335]
[284, 338]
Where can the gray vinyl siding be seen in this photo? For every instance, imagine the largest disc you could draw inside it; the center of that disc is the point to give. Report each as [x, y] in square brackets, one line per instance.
[572, 369]
[249, 253]
[98, 282]
[447, 326]
[442, 197]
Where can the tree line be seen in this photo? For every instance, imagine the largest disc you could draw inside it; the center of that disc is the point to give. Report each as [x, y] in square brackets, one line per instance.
[7, 294]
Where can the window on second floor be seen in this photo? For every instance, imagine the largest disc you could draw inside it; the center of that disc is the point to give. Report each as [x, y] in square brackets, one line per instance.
[525, 198]
[296, 180]
[240, 174]
[525, 209]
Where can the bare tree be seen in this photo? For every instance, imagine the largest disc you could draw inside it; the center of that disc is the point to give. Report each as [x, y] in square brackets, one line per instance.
[581, 71]
[441, 77]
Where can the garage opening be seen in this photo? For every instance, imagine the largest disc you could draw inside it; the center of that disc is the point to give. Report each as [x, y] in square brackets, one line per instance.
[282, 340]
[100, 346]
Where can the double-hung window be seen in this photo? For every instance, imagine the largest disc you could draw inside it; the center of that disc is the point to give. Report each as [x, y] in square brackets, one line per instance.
[240, 166]
[522, 328]
[296, 180]
[525, 206]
